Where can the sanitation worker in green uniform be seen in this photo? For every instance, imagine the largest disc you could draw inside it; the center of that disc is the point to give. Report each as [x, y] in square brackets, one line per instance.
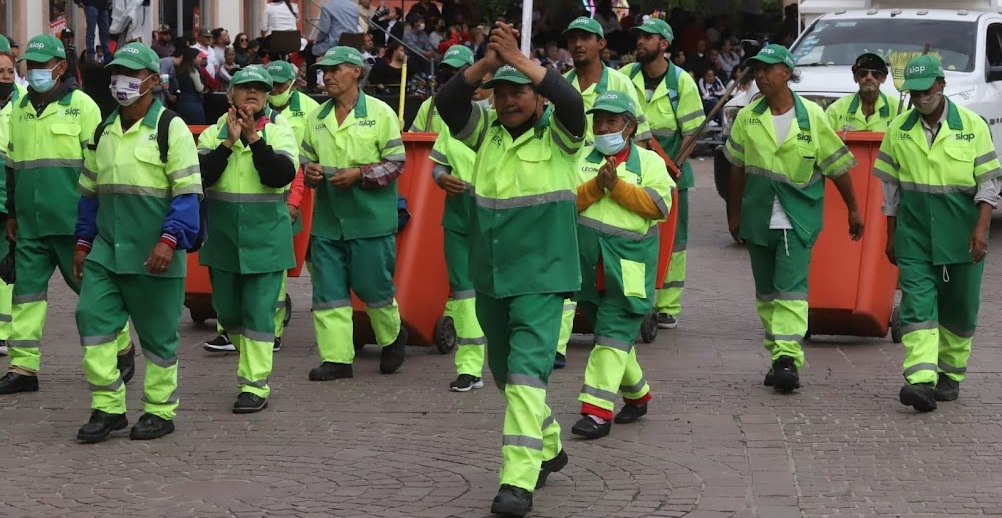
[869, 109]
[10, 92]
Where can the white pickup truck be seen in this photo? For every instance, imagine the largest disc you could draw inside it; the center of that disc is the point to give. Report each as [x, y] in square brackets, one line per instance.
[967, 35]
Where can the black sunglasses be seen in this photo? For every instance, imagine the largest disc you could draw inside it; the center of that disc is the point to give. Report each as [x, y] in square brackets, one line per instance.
[877, 74]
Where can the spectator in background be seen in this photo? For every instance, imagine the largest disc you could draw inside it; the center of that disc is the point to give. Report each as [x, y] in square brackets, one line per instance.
[678, 58]
[131, 20]
[386, 72]
[72, 65]
[389, 21]
[228, 68]
[220, 40]
[366, 12]
[699, 61]
[368, 49]
[98, 14]
[279, 15]
[711, 89]
[425, 9]
[605, 55]
[242, 49]
[166, 91]
[438, 33]
[189, 88]
[606, 17]
[163, 42]
[204, 44]
[415, 38]
[553, 60]
[715, 32]
[336, 18]
[478, 41]
[730, 57]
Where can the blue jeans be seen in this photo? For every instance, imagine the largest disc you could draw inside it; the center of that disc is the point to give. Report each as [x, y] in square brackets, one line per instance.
[101, 18]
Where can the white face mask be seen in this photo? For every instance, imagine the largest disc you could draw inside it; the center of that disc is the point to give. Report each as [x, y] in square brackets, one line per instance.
[484, 103]
[126, 90]
[610, 144]
[420, 26]
[928, 104]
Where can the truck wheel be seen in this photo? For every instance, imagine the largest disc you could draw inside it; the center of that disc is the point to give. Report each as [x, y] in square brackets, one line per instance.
[445, 335]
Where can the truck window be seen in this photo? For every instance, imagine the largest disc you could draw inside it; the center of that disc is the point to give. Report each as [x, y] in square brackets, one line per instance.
[837, 42]
[993, 52]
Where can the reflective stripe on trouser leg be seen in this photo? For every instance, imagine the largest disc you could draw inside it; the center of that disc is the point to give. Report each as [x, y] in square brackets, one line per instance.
[615, 330]
[100, 364]
[668, 299]
[919, 314]
[551, 435]
[566, 325]
[33, 265]
[762, 258]
[280, 306]
[257, 331]
[634, 385]
[6, 292]
[332, 309]
[372, 262]
[788, 261]
[385, 320]
[470, 340]
[959, 301]
[160, 386]
[101, 310]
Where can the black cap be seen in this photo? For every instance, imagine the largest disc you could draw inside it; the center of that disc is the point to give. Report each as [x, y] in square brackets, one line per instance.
[870, 61]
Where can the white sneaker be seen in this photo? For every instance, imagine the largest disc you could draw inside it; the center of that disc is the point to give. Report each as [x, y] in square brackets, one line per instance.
[466, 383]
[219, 344]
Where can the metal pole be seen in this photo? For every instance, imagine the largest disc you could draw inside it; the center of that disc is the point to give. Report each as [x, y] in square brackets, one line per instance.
[527, 27]
[180, 18]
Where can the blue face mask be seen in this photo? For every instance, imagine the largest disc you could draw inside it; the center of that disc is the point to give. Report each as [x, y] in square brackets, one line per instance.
[610, 144]
[41, 80]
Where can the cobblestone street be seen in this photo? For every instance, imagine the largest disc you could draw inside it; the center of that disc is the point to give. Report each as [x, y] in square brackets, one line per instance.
[716, 443]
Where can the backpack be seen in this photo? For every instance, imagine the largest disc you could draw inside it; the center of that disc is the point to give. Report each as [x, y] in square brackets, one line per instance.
[163, 142]
[671, 82]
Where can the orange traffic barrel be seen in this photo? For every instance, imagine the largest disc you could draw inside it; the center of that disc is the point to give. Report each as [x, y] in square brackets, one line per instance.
[852, 283]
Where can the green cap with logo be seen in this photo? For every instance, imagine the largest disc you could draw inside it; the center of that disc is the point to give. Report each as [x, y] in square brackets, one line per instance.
[613, 101]
[457, 56]
[583, 23]
[507, 74]
[772, 54]
[4, 45]
[136, 56]
[922, 72]
[44, 47]
[281, 71]
[338, 55]
[656, 26]
[252, 75]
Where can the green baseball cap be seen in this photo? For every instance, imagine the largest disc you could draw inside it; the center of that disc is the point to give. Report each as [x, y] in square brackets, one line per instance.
[136, 56]
[338, 55]
[921, 73]
[44, 47]
[584, 23]
[656, 26]
[457, 56]
[772, 54]
[507, 74]
[613, 101]
[281, 71]
[252, 75]
[4, 45]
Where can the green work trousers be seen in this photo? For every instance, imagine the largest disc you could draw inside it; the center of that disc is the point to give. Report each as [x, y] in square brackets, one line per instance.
[279, 310]
[939, 313]
[245, 306]
[780, 269]
[522, 336]
[461, 306]
[340, 266]
[107, 301]
[612, 364]
[669, 297]
[35, 259]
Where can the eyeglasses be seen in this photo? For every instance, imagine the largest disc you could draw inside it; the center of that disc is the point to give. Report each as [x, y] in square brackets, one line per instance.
[242, 40]
[877, 74]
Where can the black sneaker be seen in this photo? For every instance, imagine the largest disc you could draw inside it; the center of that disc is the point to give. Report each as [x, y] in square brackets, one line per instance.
[947, 388]
[220, 344]
[466, 383]
[770, 378]
[920, 396]
[551, 466]
[559, 361]
[587, 427]
[785, 374]
[151, 427]
[101, 424]
[630, 413]
[278, 344]
[666, 321]
[127, 364]
[13, 383]
[512, 501]
[248, 403]
[327, 371]
[392, 356]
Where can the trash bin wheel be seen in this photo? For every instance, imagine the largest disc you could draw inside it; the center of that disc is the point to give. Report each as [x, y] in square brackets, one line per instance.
[445, 335]
[288, 310]
[649, 327]
[200, 314]
[896, 325]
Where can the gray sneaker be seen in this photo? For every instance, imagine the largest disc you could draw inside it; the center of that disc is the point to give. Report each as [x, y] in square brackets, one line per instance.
[666, 321]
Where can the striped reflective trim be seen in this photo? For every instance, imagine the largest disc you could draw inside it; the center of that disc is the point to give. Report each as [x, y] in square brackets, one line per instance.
[244, 382]
[985, 158]
[779, 177]
[566, 148]
[308, 148]
[893, 180]
[90, 341]
[990, 174]
[835, 157]
[171, 399]
[644, 136]
[615, 231]
[471, 126]
[613, 343]
[397, 142]
[85, 192]
[5, 318]
[464, 294]
[599, 393]
[522, 441]
[48, 162]
[673, 284]
[396, 157]
[332, 304]
[28, 298]
[286, 154]
[951, 369]
[571, 307]
[888, 159]
[919, 326]
[195, 188]
[258, 336]
[163, 363]
[938, 189]
[918, 367]
[183, 173]
[439, 157]
[737, 146]
[280, 304]
[563, 131]
[780, 295]
[23, 344]
[689, 116]
[438, 171]
[111, 387]
[89, 174]
[472, 341]
[330, 170]
[525, 201]
[526, 380]
[959, 333]
[633, 389]
[733, 159]
[547, 422]
[204, 150]
[663, 132]
[798, 339]
[245, 197]
[379, 303]
[658, 200]
[678, 249]
[235, 332]
[117, 188]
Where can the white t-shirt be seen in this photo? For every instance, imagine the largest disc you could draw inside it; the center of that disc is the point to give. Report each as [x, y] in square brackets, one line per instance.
[781, 123]
[277, 17]
[211, 65]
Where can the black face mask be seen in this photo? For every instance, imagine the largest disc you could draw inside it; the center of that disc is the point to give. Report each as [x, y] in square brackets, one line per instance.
[443, 76]
[5, 90]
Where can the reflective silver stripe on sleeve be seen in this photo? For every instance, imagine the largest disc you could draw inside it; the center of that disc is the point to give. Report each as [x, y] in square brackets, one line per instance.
[835, 157]
[658, 200]
[985, 158]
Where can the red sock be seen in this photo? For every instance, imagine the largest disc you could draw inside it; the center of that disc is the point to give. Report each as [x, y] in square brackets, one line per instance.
[641, 401]
[589, 409]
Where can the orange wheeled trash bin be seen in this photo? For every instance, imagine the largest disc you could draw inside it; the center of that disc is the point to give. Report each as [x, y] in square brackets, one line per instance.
[852, 284]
